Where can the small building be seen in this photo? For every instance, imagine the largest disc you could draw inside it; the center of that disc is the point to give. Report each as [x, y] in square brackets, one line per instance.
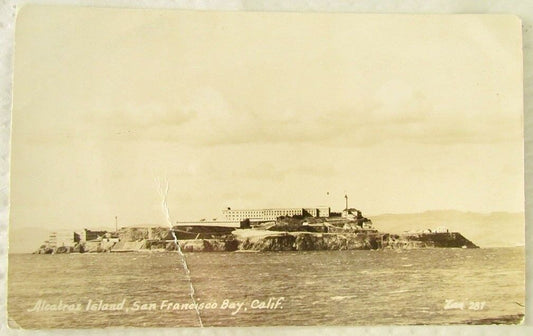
[351, 213]
[63, 238]
[322, 212]
[88, 235]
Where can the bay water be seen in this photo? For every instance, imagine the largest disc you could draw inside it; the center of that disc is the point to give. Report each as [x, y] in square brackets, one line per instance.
[342, 288]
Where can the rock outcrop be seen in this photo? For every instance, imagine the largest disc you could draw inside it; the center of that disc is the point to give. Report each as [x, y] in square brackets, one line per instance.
[426, 240]
[307, 241]
[288, 235]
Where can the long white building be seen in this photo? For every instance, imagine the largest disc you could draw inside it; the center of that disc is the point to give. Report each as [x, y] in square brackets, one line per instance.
[272, 214]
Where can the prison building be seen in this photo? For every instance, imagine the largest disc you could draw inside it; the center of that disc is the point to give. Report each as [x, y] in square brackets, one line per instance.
[272, 214]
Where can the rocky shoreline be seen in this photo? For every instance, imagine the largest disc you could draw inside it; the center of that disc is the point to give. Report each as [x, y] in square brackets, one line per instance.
[264, 240]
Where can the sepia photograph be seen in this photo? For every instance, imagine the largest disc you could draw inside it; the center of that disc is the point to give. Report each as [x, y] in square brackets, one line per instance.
[182, 168]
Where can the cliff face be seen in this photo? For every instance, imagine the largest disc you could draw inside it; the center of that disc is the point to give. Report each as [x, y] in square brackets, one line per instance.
[306, 241]
[140, 233]
[265, 240]
[427, 240]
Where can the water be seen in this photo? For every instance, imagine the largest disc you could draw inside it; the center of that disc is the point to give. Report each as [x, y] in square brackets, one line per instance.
[317, 288]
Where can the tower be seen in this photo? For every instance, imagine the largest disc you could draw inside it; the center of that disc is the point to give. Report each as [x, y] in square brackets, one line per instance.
[346, 197]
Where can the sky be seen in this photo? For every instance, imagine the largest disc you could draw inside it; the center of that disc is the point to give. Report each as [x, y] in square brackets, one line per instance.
[254, 110]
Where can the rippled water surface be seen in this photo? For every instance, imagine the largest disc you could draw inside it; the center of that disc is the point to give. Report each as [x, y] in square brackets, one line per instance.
[310, 288]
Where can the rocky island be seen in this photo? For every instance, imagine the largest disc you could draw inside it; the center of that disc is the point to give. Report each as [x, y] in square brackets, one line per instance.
[287, 229]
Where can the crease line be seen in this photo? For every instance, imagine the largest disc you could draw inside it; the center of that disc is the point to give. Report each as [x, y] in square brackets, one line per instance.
[180, 252]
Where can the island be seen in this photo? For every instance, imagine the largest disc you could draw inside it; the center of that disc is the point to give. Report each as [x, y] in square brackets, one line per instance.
[273, 229]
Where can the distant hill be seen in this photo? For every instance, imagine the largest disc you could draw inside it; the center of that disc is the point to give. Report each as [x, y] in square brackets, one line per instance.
[496, 229]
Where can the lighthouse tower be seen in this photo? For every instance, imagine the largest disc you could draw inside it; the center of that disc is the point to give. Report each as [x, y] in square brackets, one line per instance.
[346, 197]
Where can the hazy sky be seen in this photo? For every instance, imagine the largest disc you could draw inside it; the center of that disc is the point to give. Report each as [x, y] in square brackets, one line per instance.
[404, 113]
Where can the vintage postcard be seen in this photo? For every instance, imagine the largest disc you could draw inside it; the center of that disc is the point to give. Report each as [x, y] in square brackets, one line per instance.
[230, 169]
